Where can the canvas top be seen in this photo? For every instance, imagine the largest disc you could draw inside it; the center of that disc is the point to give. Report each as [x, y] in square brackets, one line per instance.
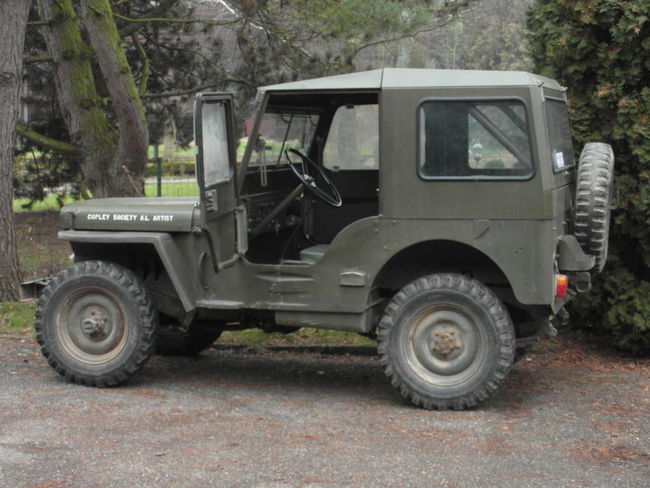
[387, 78]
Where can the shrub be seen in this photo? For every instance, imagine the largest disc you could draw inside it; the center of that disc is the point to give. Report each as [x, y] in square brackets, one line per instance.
[599, 49]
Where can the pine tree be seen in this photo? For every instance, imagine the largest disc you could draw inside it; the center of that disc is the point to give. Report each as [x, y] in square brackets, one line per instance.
[600, 49]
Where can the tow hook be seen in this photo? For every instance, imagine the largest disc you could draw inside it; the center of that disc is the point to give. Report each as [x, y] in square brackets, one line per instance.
[561, 318]
[548, 329]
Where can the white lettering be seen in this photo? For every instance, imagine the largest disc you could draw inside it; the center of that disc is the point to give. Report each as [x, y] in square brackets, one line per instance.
[163, 218]
[130, 217]
[125, 217]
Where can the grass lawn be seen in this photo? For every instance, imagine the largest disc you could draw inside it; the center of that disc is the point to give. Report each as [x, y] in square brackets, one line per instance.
[169, 189]
[172, 189]
[18, 318]
[180, 152]
[49, 203]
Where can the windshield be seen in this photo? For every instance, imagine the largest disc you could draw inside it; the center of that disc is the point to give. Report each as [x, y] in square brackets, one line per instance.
[559, 129]
[283, 130]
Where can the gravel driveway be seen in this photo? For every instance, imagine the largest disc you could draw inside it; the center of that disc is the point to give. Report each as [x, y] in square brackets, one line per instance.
[569, 416]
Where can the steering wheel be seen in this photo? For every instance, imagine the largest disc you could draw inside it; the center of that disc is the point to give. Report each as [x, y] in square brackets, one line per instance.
[329, 195]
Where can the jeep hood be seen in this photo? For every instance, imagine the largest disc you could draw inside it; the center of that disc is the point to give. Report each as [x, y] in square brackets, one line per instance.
[131, 214]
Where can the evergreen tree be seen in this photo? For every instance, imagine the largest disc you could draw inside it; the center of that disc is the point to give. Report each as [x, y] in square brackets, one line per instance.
[600, 49]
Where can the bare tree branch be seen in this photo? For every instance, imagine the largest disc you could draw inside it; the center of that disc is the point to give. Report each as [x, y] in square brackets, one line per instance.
[163, 7]
[196, 89]
[37, 59]
[142, 87]
[47, 142]
[171, 20]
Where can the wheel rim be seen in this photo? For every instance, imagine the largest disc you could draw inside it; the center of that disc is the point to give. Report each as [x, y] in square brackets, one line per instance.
[445, 345]
[92, 326]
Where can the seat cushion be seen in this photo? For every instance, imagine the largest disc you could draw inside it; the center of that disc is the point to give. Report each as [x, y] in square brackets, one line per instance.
[314, 253]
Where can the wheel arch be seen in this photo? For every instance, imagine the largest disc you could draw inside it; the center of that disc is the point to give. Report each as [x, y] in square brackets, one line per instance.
[439, 256]
[131, 248]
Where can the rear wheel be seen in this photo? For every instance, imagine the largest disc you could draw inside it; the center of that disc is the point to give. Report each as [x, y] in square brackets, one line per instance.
[446, 341]
[95, 323]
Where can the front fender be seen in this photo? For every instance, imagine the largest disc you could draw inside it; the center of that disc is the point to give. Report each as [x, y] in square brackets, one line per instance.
[169, 253]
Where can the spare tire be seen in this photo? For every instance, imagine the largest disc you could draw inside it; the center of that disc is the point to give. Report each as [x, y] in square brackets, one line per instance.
[593, 200]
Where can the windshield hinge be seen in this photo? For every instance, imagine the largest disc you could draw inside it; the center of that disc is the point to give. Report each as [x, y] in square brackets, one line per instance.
[211, 201]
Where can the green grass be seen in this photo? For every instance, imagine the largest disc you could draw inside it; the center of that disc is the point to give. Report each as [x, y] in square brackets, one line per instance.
[49, 203]
[304, 337]
[171, 189]
[16, 317]
[180, 152]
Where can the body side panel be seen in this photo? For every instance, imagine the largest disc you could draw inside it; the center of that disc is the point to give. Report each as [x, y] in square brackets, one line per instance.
[364, 247]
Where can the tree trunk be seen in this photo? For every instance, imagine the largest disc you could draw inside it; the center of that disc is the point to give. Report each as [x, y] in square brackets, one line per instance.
[133, 146]
[13, 18]
[169, 136]
[81, 105]
[113, 155]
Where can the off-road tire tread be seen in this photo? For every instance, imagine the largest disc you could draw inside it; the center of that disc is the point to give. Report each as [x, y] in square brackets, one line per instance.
[593, 199]
[141, 298]
[504, 329]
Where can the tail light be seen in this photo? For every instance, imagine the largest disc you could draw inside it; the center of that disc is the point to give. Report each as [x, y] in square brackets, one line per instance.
[561, 285]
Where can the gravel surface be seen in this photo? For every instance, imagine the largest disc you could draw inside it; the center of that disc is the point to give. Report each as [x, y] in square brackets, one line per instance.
[569, 416]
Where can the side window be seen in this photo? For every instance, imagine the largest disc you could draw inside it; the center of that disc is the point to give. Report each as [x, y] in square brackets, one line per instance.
[353, 139]
[473, 140]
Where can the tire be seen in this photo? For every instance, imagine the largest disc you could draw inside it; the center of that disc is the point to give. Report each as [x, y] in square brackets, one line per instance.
[446, 342]
[173, 341]
[593, 200]
[96, 324]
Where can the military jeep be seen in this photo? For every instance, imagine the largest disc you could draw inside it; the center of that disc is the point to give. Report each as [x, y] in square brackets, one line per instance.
[440, 211]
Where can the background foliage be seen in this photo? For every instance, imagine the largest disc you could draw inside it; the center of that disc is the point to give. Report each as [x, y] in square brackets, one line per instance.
[600, 49]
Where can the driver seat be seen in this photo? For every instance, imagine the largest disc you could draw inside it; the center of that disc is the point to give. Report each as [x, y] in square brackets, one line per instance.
[312, 254]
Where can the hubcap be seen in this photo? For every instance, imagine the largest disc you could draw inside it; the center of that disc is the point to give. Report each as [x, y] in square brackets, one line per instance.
[92, 326]
[445, 342]
[446, 345]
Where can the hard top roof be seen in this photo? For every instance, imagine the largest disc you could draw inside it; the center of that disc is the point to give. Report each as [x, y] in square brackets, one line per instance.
[416, 78]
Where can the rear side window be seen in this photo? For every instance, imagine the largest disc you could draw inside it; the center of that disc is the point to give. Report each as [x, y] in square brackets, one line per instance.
[559, 129]
[353, 139]
[465, 139]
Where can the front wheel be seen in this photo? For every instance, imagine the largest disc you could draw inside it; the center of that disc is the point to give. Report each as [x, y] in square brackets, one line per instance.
[95, 323]
[446, 341]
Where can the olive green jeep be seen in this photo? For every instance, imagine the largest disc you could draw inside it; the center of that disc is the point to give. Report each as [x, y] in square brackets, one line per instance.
[440, 211]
